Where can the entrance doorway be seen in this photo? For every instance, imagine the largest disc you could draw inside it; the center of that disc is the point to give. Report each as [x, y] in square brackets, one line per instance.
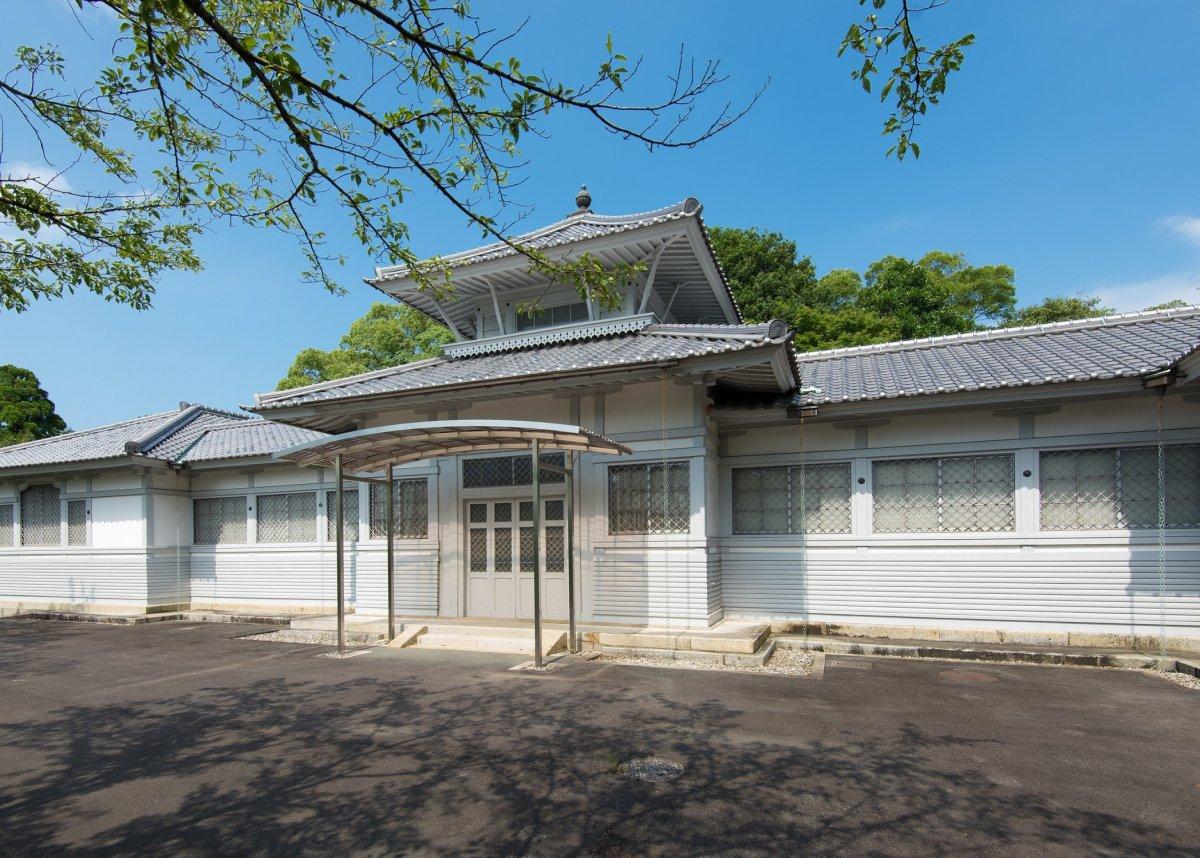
[500, 558]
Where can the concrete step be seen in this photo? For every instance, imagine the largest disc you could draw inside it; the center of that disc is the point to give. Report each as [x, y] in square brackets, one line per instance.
[694, 656]
[733, 638]
[552, 641]
[327, 623]
[474, 630]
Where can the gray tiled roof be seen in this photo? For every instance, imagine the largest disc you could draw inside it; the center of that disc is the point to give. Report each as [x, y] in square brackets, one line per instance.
[191, 433]
[580, 226]
[103, 442]
[1125, 346]
[245, 438]
[655, 343]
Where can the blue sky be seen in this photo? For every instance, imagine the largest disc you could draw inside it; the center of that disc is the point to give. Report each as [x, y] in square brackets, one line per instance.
[1066, 148]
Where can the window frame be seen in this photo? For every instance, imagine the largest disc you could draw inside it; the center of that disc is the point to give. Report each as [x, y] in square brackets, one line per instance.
[244, 498]
[22, 517]
[376, 495]
[807, 471]
[1116, 448]
[313, 519]
[647, 466]
[941, 505]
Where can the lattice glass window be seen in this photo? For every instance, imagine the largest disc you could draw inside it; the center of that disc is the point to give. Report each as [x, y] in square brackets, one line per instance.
[41, 516]
[555, 548]
[649, 498]
[502, 511]
[503, 548]
[525, 509]
[410, 505]
[500, 471]
[290, 517]
[6, 525]
[349, 516]
[526, 548]
[219, 521]
[76, 522]
[554, 510]
[1117, 488]
[959, 494]
[768, 500]
[478, 549]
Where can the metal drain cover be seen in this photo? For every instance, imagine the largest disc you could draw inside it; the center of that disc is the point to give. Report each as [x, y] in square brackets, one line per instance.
[966, 676]
[652, 769]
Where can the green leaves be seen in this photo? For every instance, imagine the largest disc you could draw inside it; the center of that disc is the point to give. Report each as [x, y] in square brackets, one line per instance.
[919, 77]
[386, 335]
[26, 412]
[941, 293]
[242, 112]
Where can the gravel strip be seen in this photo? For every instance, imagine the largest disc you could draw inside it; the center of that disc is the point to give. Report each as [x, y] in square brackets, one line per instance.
[301, 636]
[1180, 679]
[782, 663]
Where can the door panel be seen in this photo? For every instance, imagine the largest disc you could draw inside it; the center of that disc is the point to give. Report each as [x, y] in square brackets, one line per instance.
[500, 560]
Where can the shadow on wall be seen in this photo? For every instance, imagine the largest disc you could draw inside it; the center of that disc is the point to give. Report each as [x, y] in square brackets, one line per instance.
[80, 596]
[1179, 591]
[284, 766]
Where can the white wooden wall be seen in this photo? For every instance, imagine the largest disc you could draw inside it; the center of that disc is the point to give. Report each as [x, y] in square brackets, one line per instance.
[1104, 581]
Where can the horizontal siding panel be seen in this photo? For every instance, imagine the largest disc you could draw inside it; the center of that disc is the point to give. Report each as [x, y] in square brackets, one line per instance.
[1111, 588]
[306, 577]
[78, 578]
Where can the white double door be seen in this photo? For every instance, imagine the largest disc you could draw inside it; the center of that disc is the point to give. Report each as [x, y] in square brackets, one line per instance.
[500, 558]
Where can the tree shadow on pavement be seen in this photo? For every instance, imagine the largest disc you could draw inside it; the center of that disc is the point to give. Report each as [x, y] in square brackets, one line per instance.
[498, 763]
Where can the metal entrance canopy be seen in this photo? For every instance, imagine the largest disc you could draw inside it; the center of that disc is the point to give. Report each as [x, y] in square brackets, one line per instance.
[373, 449]
[384, 447]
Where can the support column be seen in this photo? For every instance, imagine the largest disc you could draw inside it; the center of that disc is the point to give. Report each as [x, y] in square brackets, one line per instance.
[571, 553]
[391, 553]
[537, 533]
[341, 562]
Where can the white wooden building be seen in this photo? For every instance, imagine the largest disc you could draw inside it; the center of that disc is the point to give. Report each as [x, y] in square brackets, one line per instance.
[1005, 479]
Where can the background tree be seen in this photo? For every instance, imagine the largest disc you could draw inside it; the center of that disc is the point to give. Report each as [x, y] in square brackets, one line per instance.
[1060, 308]
[386, 335]
[264, 113]
[26, 412]
[941, 293]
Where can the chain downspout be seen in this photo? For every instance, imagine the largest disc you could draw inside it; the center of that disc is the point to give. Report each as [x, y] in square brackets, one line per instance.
[1162, 528]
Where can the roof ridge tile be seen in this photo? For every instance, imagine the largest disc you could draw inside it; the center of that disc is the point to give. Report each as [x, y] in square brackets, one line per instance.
[1002, 333]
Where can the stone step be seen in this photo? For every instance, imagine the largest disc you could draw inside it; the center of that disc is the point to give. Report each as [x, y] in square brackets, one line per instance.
[473, 630]
[695, 656]
[551, 642]
[734, 638]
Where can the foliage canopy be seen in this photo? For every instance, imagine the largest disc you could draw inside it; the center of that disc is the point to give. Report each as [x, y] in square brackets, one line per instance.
[26, 412]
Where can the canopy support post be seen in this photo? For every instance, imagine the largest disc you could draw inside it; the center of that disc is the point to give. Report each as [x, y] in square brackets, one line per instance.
[341, 563]
[570, 510]
[537, 531]
[391, 554]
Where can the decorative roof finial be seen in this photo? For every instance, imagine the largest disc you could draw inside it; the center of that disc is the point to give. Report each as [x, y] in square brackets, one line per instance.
[583, 199]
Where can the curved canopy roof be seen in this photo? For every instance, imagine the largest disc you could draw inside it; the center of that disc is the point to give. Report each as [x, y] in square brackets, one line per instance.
[373, 449]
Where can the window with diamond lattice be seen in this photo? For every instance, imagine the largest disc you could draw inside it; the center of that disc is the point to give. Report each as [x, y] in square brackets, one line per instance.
[41, 516]
[768, 500]
[499, 471]
[290, 517]
[349, 515]
[1116, 488]
[649, 498]
[959, 494]
[410, 505]
[6, 525]
[76, 522]
[219, 521]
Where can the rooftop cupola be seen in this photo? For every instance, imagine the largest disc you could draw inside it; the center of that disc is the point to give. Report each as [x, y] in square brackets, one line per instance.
[583, 200]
